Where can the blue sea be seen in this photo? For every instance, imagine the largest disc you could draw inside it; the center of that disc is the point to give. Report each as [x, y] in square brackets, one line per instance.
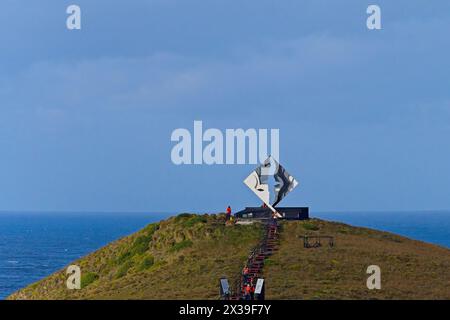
[34, 245]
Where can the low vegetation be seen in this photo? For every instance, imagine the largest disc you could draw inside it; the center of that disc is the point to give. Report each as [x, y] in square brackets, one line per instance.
[88, 278]
[183, 258]
[409, 269]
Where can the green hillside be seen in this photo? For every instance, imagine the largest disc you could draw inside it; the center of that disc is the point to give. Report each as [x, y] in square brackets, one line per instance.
[409, 269]
[183, 258]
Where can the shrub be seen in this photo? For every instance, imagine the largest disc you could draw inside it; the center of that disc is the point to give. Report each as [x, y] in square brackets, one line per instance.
[194, 220]
[310, 226]
[181, 245]
[124, 257]
[151, 229]
[123, 270]
[148, 262]
[140, 245]
[182, 216]
[190, 219]
[88, 278]
[269, 262]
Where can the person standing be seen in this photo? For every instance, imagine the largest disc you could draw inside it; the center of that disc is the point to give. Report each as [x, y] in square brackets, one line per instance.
[247, 292]
[245, 274]
[228, 213]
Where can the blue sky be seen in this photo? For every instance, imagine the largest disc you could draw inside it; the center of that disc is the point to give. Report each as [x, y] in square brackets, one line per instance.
[86, 116]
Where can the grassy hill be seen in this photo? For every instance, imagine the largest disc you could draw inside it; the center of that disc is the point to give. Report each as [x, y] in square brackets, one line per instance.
[409, 269]
[183, 258]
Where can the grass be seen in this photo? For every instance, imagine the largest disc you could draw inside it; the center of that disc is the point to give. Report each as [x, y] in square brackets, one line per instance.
[181, 257]
[181, 245]
[410, 269]
[88, 278]
[147, 263]
[142, 242]
[184, 256]
[311, 226]
[193, 221]
[123, 269]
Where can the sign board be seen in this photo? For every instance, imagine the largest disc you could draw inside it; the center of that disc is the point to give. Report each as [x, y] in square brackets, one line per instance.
[224, 286]
[259, 286]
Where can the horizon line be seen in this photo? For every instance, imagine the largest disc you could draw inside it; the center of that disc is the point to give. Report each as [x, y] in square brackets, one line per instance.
[176, 212]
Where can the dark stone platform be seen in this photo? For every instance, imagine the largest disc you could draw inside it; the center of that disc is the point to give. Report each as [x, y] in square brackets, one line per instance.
[288, 213]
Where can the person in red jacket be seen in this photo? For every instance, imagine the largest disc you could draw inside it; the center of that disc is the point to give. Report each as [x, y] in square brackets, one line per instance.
[228, 213]
[246, 270]
[247, 292]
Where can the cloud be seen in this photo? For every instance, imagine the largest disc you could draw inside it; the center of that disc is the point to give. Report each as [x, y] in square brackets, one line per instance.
[323, 77]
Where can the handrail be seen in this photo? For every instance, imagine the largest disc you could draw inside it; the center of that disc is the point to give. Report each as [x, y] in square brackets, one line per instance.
[260, 249]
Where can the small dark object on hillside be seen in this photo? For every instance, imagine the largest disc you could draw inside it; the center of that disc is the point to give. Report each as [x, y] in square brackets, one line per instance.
[316, 241]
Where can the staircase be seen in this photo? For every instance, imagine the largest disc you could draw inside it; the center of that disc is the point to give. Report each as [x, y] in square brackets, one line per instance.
[255, 262]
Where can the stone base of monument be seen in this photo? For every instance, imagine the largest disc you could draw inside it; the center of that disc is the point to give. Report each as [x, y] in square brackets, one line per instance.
[288, 213]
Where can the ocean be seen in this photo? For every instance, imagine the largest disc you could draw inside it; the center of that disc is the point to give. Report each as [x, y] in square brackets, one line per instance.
[34, 245]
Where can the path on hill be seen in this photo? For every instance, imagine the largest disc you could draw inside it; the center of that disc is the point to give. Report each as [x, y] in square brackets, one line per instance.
[255, 263]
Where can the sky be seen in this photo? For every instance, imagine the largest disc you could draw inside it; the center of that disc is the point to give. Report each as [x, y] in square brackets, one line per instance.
[86, 115]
